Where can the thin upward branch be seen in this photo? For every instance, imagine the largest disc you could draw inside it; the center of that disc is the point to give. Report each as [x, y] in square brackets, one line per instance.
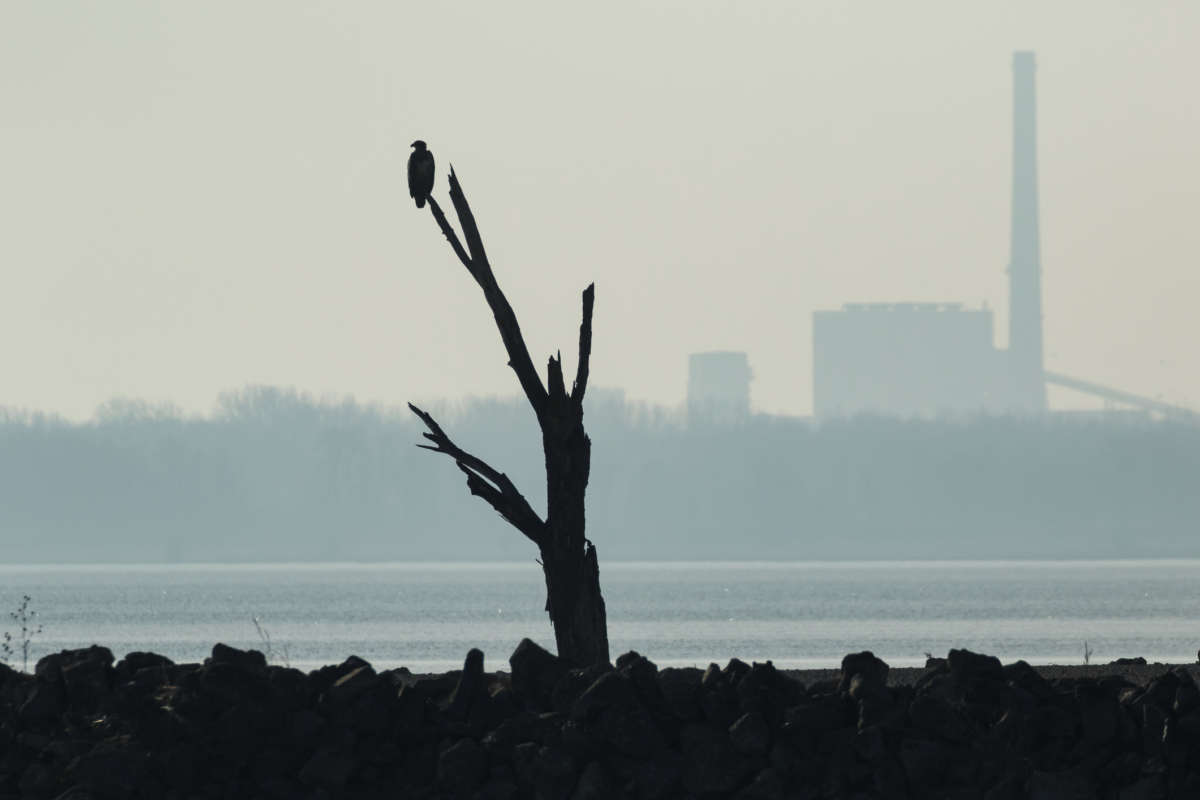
[449, 233]
[467, 220]
[484, 480]
[585, 346]
[506, 320]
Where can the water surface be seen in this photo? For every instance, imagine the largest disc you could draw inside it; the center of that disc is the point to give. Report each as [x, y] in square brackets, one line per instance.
[799, 614]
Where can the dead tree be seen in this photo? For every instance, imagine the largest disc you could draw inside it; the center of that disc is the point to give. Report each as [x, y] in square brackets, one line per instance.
[568, 558]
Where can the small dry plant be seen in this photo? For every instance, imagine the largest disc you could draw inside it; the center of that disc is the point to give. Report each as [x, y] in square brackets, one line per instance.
[25, 617]
[273, 655]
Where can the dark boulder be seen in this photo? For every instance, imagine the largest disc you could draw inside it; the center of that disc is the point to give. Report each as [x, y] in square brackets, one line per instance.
[597, 783]
[643, 673]
[1025, 677]
[356, 683]
[1161, 691]
[712, 678]
[630, 731]
[924, 761]
[42, 705]
[613, 705]
[1069, 784]
[573, 683]
[248, 660]
[535, 671]
[409, 711]
[462, 767]
[935, 663]
[968, 666]
[750, 734]
[1187, 695]
[471, 689]
[938, 718]
[867, 690]
[498, 787]
[680, 689]
[502, 740]
[872, 672]
[718, 698]
[625, 659]
[659, 778]
[321, 679]
[767, 785]
[7, 674]
[303, 728]
[38, 780]
[1098, 713]
[1150, 787]
[767, 691]
[870, 744]
[49, 667]
[553, 773]
[819, 715]
[76, 793]
[329, 768]
[135, 662]
[734, 671]
[580, 740]
[1154, 729]
[491, 709]
[113, 769]
[86, 675]
[612, 689]
[713, 765]
[1053, 722]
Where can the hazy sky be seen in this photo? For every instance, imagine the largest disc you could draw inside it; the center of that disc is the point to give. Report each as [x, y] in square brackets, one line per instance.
[200, 195]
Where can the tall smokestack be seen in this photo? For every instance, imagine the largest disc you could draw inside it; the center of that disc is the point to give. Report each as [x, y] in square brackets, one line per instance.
[1025, 261]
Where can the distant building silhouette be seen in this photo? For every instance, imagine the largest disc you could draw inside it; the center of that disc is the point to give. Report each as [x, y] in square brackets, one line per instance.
[904, 359]
[928, 359]
[718, 387]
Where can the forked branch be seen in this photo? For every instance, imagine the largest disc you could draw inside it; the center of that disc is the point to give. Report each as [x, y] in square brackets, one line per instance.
[485, 480]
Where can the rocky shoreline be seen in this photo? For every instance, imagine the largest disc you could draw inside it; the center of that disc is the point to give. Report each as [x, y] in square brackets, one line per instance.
[234, 726]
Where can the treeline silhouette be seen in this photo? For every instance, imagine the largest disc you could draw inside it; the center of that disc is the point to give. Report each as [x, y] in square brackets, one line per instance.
[276, 475]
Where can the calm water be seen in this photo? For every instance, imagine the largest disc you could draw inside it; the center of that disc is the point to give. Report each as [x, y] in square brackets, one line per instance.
[426, 616]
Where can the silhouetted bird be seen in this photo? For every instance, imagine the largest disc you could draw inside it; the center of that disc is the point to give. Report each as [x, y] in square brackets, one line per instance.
[420, 173]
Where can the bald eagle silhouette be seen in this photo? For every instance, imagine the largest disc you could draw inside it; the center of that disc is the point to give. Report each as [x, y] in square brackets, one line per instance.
[420, 173]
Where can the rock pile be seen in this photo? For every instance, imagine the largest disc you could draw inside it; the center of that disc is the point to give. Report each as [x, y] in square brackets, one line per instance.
[235, 727]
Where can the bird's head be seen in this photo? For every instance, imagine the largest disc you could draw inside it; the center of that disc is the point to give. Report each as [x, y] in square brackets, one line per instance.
[418, 144]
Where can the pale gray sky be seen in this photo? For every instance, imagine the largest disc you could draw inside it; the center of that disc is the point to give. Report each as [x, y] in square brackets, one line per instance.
[200, 195]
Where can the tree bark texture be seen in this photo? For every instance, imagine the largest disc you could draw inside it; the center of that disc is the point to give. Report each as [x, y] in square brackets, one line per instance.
[568, 558]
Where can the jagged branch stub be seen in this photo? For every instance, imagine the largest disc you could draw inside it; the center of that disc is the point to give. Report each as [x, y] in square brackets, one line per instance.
[484, 480]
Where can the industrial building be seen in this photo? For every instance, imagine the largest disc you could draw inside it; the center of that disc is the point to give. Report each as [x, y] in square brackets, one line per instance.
[939, 359]
[907, 359]
[933, 359]
[930, 360]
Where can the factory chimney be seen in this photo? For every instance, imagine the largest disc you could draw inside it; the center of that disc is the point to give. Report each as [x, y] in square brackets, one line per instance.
[1024, 265]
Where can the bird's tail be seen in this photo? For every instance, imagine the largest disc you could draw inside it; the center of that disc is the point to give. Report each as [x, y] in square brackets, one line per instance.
[421, 201]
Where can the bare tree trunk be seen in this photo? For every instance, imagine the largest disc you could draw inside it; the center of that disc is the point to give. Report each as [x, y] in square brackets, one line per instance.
[573, 598]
